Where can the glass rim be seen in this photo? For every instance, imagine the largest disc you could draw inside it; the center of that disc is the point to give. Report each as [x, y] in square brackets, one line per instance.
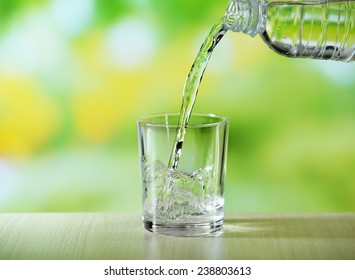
[218, 120]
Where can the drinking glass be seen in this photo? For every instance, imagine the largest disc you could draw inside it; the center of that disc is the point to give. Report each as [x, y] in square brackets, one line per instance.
[187, 200]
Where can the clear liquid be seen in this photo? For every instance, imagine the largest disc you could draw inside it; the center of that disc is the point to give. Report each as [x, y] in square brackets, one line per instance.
[191, 87]
[320, 30]
[179, 197]
[176, 196]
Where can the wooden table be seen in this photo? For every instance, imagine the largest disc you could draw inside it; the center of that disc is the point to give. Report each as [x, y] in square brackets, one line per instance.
[121, 236]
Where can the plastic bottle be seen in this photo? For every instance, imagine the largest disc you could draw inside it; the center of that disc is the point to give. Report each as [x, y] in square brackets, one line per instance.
[322, 29]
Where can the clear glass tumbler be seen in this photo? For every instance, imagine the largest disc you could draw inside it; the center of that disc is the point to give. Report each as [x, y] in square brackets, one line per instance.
[187, 200]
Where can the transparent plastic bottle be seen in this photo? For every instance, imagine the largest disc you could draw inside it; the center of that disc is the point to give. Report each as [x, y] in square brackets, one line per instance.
[322, 29]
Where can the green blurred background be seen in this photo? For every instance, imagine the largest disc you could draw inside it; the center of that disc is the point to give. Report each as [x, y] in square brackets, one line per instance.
[75, 74]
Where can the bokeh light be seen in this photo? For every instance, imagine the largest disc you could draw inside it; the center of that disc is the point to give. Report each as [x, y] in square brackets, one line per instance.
[75, 75]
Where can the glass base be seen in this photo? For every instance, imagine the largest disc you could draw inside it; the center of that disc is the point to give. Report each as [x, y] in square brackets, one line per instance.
[185, 229]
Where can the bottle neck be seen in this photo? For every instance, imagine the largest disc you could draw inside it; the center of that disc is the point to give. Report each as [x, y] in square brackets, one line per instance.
[247, 16]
